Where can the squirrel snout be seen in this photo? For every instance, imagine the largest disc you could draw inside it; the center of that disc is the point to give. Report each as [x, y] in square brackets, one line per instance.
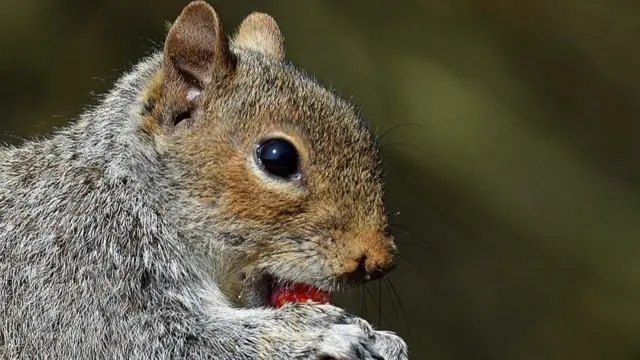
[366, 272]
[370, 258]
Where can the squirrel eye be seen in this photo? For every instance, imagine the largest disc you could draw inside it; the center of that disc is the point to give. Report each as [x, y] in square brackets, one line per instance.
[279, 158]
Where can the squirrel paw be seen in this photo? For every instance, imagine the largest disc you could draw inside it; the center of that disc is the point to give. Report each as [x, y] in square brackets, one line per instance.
[386, 343]
[390, 346]
[347, 342]
[347, 337]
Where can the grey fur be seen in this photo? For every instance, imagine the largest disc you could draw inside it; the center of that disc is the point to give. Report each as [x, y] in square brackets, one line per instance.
[101, 256]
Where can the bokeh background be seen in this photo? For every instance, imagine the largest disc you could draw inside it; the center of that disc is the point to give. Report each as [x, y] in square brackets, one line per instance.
[510, 134]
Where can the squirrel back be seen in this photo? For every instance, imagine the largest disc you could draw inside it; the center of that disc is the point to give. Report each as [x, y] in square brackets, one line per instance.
[213, 170]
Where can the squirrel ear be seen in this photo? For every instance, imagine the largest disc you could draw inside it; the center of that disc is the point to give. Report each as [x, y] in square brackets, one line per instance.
[260, 32]
[196, 48]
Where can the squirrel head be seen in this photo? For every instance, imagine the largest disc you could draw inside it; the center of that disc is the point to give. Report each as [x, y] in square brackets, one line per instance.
[287, 168]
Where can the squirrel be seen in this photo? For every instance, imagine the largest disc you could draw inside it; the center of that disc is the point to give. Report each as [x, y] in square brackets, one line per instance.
[157, 224]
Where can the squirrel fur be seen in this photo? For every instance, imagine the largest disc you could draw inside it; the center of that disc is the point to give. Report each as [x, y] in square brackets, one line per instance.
[146, 229]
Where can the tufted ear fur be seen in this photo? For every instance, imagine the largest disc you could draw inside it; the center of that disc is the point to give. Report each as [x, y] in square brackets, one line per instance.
[196, 49]
[260, 32]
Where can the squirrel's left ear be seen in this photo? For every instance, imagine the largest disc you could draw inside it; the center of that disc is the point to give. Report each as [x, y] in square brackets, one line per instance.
[259, 32]
[196, 50]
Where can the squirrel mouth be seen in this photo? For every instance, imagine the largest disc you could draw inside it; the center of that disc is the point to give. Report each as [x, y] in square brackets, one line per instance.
[284, 292]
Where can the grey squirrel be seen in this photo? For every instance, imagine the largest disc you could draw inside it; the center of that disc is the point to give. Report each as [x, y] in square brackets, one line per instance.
[157, 225]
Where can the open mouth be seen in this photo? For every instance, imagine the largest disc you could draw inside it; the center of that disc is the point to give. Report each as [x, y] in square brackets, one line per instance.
[281, 293]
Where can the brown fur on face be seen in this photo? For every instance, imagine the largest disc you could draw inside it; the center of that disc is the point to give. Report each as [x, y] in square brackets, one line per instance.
[332, 220]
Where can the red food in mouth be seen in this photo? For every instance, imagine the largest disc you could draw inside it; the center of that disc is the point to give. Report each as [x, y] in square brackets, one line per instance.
[298, 293]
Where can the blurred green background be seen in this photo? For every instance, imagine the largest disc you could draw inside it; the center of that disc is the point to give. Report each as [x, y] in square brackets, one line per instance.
[512, 150]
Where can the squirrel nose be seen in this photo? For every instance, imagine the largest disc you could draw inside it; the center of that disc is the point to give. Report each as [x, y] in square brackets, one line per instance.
[374, 258]
[362, 274]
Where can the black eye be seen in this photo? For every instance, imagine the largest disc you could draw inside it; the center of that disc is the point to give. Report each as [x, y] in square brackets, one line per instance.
[279, 158]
